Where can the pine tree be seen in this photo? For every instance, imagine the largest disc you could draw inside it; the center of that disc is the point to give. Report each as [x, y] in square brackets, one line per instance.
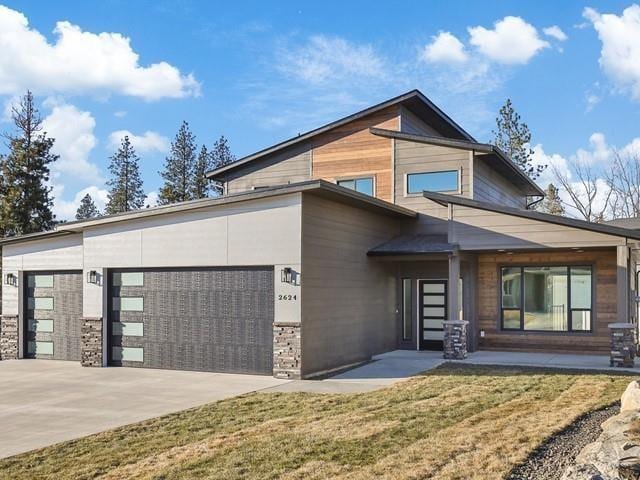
[179, 168]
[513, 137]
[201, 184]
[220, 156]
[551, 203]
[25, 197]
[125, 184]
[87, 208]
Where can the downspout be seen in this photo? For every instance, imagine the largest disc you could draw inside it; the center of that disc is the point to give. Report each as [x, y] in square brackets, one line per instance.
[535, 202]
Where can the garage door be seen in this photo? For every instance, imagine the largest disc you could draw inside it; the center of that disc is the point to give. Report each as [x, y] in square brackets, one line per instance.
[53, 312]
[210, 319]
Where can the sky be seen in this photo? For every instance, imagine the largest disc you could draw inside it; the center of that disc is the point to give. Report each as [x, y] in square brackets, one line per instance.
[261, 72]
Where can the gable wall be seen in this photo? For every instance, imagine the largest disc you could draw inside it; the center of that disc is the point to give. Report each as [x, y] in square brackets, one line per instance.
[490, 186]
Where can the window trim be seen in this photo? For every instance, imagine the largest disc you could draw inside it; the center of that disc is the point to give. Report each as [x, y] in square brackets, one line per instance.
[457, 191]
[364, 176]
[570, 330]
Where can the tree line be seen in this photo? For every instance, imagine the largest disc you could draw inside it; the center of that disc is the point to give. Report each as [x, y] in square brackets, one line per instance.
[26, 200]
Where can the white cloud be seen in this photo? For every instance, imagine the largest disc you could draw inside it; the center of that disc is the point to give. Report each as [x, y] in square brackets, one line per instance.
[120, 114]
[556, 32]
[147, 142]
[540, 157]
[600, 151]
[445, 48]
[66, 210]
[323, 59]
[72, 130]
[512, 41]
[81, 62]
[620, 53]
[151, 200]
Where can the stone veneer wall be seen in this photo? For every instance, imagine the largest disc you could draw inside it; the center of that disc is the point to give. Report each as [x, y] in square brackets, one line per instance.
[287, 351]
[8, 337]
[91, 342]
[455, 339]
[623, 345]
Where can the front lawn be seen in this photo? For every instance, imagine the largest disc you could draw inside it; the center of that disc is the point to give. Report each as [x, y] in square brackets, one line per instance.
[455, 422]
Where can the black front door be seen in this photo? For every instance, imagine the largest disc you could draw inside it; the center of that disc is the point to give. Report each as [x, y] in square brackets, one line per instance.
[432, 297]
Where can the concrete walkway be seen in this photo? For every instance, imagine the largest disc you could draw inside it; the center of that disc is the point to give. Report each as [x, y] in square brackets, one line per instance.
[391, 367]
[44, 402]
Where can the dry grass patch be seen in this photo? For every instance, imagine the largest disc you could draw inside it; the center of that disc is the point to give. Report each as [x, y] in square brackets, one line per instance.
[455, 422]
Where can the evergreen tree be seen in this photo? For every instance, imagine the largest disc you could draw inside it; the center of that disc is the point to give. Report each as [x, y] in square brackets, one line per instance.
[125, 184]
[220, 156]
[513, 137]
[201, 184]
[551, 203]
[25, 197]
[87, 208]
[179, 168]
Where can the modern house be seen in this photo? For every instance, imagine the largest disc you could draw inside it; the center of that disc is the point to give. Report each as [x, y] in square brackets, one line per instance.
[353, 239]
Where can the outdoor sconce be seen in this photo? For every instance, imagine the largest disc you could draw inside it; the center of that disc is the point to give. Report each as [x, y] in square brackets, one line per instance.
[286, 275]
[11, 279]
[92, 276]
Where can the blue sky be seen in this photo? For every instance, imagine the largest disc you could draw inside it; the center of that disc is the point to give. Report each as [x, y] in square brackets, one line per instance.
[260, 72]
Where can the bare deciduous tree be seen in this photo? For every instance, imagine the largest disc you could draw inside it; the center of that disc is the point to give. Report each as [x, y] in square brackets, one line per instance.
[588, 194]
[623, 178]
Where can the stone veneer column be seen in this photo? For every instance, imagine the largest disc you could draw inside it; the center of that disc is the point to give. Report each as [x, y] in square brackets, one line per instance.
[455, 339]
[623, 344]
[91, 342]
[287, 350]
[8, 337]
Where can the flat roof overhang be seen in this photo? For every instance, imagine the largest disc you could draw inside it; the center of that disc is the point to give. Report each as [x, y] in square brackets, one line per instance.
[320, 188]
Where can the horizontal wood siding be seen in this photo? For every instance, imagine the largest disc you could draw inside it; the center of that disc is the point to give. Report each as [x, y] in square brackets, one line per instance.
[348, 299]
[351, 151]
[480, 229]
[490, 186]
[413, 157]
[409, 123]
[605, 310]
[290, 166]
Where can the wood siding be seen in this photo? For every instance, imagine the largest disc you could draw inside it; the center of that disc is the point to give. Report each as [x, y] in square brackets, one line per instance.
[413, 157]
[475, 229]
[348, 309]
[605, 310]
[409, 123]
[290, 166]
[490, 186]
[351, 151]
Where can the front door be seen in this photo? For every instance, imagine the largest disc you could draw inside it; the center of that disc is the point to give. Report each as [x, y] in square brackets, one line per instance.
[432, 298]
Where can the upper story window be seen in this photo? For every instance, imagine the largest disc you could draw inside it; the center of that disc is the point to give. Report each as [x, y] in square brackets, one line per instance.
[446, 181]
[362, 185]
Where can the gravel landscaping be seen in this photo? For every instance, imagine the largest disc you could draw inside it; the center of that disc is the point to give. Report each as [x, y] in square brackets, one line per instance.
[549, 460]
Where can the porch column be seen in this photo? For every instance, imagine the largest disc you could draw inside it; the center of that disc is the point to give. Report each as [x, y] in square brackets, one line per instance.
[622, 283]
[454, 279]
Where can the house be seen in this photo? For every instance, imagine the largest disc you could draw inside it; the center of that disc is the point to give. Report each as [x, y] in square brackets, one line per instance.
[353, 239]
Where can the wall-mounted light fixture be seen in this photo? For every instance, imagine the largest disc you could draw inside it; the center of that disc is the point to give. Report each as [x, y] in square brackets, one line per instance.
[11, 279]
[92, 276]
[286, 275]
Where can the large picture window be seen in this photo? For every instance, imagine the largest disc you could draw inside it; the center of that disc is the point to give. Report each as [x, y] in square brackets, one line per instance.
[546, 298]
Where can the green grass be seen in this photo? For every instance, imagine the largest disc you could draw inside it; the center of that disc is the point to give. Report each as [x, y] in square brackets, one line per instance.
[455, 422]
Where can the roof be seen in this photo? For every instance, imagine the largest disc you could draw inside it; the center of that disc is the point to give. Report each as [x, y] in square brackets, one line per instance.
[444, 199]
[631, 223]
[316, 187]
[503, 163]
[413, 100]
[415, 244]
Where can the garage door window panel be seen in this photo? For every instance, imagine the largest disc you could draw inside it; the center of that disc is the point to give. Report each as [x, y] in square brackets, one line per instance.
[128, 304]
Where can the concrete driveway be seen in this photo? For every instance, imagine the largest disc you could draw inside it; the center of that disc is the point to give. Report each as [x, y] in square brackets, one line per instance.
[44, 402]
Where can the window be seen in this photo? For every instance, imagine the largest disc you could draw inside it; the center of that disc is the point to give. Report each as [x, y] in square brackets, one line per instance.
[433, 182]
[128, 304]
[546, 298]
[128, 279]
[362, 185]
[407, 310]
